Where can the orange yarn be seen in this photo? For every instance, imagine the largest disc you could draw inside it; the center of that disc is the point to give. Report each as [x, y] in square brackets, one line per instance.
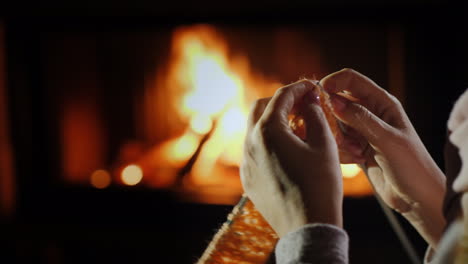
[296, 121]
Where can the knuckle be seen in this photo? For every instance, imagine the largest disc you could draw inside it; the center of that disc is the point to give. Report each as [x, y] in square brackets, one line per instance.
[360, 113]
[400, 140]
[263, 101]
[256, 105]
[349, 71]
[260, 102]
[393, 99]
[393, 105]
[282, 91]
[398, 104]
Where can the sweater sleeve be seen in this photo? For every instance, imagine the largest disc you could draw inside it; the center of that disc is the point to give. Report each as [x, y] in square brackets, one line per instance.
[447, 246]
[313, 243]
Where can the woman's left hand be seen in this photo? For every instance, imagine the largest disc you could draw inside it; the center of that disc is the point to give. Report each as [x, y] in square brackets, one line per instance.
[292, 182]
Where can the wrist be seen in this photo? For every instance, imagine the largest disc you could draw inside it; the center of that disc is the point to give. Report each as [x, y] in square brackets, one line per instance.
[308, 215]
[427, 217]
[331, 215]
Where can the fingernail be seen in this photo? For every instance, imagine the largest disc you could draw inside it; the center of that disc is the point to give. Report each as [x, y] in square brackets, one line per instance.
[313, 96]
[338, 102]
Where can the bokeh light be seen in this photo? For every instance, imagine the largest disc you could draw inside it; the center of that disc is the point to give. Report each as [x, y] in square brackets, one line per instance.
[350, 170]
[132, 175]
[100, 179]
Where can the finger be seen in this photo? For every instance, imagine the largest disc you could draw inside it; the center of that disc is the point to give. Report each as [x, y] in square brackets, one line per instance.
[349, 131]
[318, 132]
[256, 112]
[352, 141]
[349, 158]
[278, 109]
[361, 87]
[358, 117]
[352, 146]
[350, 80]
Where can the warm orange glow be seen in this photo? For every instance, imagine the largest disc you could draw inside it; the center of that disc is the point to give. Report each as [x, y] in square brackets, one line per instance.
[201, 124]
[180, 149]
[100, 179]
[357, 186]
[212, 90]
[350, 170]
[214, 86]
[132, 175]
[83, 141]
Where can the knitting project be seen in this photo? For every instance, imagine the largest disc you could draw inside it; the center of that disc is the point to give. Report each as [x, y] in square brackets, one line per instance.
[245, 238]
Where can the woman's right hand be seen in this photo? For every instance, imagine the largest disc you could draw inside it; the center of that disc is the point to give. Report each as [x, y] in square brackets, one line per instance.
[397, 163]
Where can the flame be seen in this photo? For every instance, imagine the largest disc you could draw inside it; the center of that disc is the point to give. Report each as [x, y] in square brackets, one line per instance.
[213, 91]
[213, 96]
[180, 149]
[201, 124]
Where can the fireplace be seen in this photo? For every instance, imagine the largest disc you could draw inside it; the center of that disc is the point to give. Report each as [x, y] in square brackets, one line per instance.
[128, 130]
[166, 108]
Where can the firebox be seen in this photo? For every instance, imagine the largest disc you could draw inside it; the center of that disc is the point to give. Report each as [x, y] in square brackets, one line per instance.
[165, 108]
[127, 132]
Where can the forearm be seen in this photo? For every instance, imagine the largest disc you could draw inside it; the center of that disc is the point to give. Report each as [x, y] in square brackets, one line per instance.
[426, 201]
[419, 200]
[426, 215]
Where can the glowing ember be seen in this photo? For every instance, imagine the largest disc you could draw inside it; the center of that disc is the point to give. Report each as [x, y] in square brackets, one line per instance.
[100, 179]
[132, 175]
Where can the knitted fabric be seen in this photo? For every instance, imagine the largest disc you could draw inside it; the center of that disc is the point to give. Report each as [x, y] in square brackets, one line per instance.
[245, 238]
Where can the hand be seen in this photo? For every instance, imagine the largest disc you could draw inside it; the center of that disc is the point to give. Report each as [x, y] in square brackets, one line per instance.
[458, 125]
[398, 165]
[290, 181]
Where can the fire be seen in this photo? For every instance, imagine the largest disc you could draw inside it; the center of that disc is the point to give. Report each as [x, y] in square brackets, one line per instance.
[213, 92]
[213, 98]
[180, 149]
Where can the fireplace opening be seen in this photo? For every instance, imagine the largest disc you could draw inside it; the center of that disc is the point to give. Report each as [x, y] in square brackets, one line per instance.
[166, 109]
[124, 135]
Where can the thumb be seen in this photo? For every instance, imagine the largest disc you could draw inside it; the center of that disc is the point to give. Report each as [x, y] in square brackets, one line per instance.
[360, 118]
[318, 132]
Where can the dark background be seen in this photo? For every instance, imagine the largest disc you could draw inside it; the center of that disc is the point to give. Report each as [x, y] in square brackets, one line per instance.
[55, 223]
